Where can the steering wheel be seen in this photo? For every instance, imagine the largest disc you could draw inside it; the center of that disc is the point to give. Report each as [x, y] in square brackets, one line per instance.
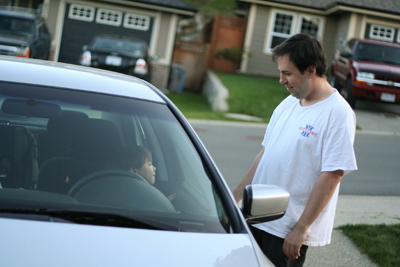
[120, 188]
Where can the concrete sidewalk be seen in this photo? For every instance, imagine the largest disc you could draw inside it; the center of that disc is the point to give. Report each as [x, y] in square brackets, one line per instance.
[353, 210]
[360, 209]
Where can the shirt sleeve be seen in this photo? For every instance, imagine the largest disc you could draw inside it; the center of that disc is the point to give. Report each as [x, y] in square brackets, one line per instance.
[338, 146]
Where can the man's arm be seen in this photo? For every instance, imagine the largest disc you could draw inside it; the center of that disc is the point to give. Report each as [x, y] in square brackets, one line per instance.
[248, 178]
[319, 198]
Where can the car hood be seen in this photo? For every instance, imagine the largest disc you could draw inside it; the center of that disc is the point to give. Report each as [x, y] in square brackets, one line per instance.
[377, 67]
[36, 243]
[9, 39]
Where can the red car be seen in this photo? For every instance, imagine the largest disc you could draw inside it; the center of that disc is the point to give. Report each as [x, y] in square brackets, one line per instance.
[367, 69]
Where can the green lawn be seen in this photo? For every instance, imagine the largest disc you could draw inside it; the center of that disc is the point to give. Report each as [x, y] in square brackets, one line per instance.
[195, 106]
[380, 242]
[253, 95]
[249, 95]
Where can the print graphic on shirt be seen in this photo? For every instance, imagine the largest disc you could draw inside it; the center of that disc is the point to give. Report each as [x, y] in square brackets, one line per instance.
[306, 131]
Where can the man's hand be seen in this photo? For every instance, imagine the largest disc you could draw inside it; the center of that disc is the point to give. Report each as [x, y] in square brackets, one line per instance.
[320, 196]
[248, 178]
[293, 243]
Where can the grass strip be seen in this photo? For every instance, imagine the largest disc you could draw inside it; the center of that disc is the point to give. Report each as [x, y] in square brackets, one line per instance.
[195, 106]
[253, 95]
[380, 242]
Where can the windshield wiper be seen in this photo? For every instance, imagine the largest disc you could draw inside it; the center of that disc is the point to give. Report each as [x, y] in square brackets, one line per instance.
[86, 217]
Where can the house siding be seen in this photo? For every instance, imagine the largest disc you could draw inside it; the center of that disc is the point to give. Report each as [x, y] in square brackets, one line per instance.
[342, 30]
[163, 35]
[359, 26]
[260, 63]
[330, 40]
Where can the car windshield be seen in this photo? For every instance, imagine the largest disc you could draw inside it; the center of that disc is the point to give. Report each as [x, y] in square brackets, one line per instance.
[118, 45]
[377, 53]
[77, 156]
[17, 26]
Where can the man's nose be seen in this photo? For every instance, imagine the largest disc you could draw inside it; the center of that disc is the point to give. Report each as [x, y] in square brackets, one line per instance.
[282, 79]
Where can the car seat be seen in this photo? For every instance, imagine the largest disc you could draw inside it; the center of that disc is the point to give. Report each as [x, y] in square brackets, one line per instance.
[55, 141]
[18, 154]
[89, 150]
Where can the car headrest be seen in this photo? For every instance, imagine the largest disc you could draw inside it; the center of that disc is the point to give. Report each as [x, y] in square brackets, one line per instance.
[67, 123]
[95, 140]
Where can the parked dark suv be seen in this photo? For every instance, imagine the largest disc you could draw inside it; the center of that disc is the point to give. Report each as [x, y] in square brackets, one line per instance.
[23, 33]
[367, 69]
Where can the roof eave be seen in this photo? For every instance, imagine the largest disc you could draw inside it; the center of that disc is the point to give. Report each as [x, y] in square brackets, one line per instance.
[180, 11]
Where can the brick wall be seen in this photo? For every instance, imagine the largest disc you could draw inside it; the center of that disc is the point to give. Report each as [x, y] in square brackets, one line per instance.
[159, 77]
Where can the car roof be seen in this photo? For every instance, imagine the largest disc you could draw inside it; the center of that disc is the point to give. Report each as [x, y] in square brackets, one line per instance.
[25, 13]
[119, 37]
[377, 42]
[69, 76]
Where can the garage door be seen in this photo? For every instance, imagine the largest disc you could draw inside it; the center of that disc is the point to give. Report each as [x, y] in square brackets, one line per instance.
[82, 23]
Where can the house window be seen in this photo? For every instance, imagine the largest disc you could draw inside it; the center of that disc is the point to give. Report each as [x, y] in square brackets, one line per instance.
[398, 36]
[109, 17]
[80, 12]
[283, 26]
[310, 25]
[136, 22]
[381, 33]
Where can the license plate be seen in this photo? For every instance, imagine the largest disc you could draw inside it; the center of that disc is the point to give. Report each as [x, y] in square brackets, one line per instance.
[113, 61]
[388, 97]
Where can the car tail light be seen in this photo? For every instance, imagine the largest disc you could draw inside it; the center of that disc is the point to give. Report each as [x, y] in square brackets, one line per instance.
[141, 67]
[22, 52]
[86, 59]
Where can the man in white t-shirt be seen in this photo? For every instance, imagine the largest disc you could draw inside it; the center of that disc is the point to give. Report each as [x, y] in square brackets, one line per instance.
[307, 149]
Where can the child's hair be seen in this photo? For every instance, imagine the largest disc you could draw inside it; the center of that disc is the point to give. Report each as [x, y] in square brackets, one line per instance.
[130, 157]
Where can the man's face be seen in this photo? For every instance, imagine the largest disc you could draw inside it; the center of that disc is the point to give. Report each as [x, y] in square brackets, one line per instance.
[296, 83]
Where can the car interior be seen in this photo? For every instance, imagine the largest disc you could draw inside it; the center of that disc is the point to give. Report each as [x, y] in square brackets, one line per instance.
[57, 144]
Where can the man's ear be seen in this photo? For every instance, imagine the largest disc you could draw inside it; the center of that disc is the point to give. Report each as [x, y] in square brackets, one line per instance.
[312, 70]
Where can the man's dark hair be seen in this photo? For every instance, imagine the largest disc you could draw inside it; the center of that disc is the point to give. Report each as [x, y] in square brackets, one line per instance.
[303, 51]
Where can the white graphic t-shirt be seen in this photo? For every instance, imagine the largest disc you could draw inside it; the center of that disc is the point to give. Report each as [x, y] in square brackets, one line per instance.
[300, 143]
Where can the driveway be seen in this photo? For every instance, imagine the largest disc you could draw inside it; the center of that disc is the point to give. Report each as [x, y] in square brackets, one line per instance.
[378, 117]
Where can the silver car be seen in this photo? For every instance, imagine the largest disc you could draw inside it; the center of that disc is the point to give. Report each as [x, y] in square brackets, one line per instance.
[66, 201]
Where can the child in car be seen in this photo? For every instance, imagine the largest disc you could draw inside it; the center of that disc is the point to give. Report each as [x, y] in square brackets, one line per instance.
[136, 159]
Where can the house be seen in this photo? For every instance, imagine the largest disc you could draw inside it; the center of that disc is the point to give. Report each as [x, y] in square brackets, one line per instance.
[73, 23]
[333, 21]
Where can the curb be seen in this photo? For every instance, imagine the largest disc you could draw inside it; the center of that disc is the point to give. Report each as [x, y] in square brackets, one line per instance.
[264, 125]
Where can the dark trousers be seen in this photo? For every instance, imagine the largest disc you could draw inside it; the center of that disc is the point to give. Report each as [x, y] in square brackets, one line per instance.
[272, 246]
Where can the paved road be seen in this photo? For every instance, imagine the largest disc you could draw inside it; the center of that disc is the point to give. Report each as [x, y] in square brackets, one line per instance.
[233, 146]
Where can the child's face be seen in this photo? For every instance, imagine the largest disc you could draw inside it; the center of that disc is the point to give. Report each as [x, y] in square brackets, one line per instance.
[147, 171]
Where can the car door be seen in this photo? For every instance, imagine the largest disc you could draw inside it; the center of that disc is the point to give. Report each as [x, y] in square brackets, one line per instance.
[344, 63]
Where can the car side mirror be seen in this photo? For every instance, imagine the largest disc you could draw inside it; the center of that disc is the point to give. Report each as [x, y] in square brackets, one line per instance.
[84, 48]
[262, 203]
[345, 54]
